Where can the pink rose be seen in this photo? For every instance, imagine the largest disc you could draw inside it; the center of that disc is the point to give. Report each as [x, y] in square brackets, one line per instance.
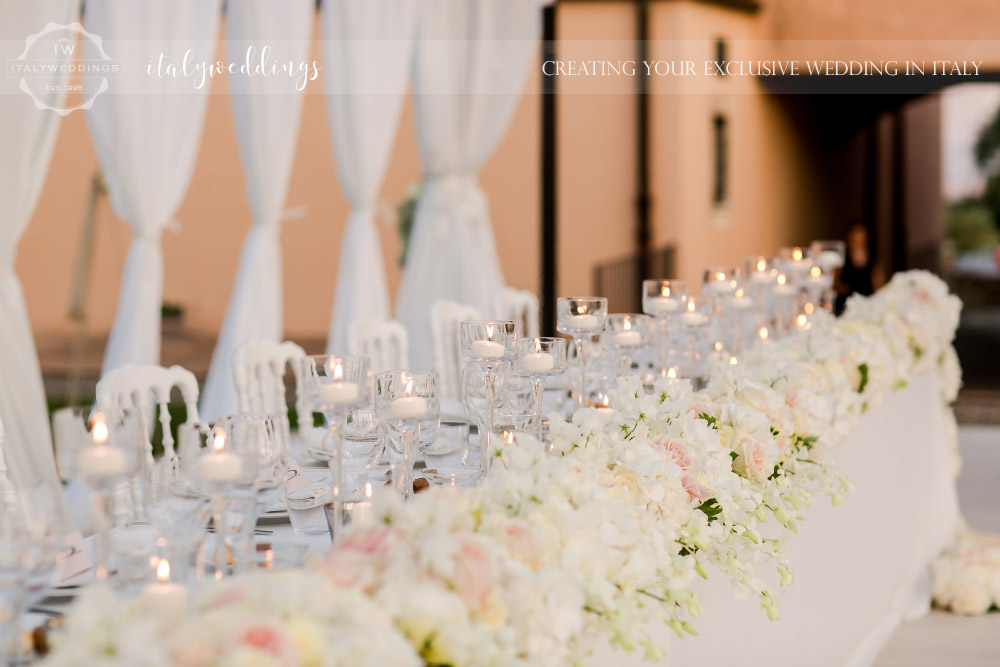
[673, 450]
[790, 398]
[369, 541]
[694, 489]
[521, 544]
[474, 574]
[268, 639]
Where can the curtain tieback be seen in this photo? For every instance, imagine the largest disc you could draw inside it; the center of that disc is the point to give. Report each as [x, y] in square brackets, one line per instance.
[454, 199]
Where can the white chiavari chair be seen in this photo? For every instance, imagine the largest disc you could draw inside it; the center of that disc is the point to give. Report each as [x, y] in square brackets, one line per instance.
[447, 344]
[519, 306]
[384, 342]
[259, 369]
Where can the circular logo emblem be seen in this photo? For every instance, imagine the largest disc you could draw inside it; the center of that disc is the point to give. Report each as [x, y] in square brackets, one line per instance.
[56, 61]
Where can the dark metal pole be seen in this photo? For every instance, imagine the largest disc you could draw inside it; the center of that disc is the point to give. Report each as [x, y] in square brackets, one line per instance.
[549, 181]
[642, 195]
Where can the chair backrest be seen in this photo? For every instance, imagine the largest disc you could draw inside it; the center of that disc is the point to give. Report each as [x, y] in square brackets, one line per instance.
[520, 306]
[137, 386]
[447, 341]
[384, 342]
[259, 375]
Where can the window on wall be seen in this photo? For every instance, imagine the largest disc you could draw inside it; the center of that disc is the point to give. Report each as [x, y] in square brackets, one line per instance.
[720, 188]
[720, 54]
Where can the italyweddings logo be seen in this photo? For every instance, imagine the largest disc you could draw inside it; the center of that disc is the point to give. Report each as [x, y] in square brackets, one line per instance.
[256, 62]
[49, 68]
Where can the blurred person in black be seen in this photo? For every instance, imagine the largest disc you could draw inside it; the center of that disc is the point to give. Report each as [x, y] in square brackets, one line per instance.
[860, 273]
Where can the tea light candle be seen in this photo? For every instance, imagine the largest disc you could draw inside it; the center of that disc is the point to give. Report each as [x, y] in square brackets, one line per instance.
[584, 322]
[408, 407]
[741, 303]
[661, 305]
[761, 277]
[165, 598]
[606, 413]
[486, 349]
[830, 259]
[538, 362]
[101, 461]
[628, 338]
[219, 465]
[693, 319]
[782, 287]
[339, 393]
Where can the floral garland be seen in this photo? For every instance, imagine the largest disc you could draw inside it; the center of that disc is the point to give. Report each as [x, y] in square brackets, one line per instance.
[586, 540]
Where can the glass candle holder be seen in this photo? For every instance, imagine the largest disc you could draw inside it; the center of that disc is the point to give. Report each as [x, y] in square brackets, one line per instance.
[628, 332]
[225, 462]
[334, 386]
[581, 317]
[828, 255]
[539, 358]
[794, 262]
[720, 280]
[784, 297]
[113, 454]
[697, 320]
[664, 300]
[759, 273]
[488, 344]
[408, 404]
[817, 282]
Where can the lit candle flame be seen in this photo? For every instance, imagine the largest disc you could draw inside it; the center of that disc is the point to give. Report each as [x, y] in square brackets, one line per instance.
[409, 388]
[809, 308]
[627, 325]
[815, 272]
[538, 345]
[761, 264]
[739, 293]
[732, 361]
[508, 437]
[762, 333]
[368, 489]
[672, 374]
[219, 441]
[489, 332]
[797, 254]
[664, 291]
[718, 346]
[163, 571]
[338, 372]
[801, 320]
[581, 309]
[606, 401]
[691, 305]
[99, 429]
[720, 276]
[782, 279]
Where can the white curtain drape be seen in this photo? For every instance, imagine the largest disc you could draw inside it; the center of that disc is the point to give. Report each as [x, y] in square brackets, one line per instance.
[469, 70]
[27, 138]
[367, 51]
[146, 131]
[266, 112]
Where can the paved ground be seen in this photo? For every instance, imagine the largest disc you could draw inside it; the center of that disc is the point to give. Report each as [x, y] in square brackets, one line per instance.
[942, 639]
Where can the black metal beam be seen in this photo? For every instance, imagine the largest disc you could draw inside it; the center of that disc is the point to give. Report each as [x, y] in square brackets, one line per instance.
[549, 181]
[642, 194]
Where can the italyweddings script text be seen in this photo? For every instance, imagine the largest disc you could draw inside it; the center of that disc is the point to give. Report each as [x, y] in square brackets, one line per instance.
[264, 65]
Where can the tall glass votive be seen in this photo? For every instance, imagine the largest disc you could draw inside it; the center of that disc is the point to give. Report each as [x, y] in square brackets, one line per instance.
[784, 301]
[628, 333]
[817, 284]
[828, 255]
[226, 465]
[697, 321]
[488, 344]
[664, 300]
[408, 404]
[539, 358]
[581, 317]
[334, 386]
[794, 262]
[111, 457]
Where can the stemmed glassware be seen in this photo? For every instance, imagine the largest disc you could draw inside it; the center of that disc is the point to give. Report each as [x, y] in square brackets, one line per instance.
[334, 386]
[539, 358]
[488, 344]
[664, 299]
[581, 317]
[225, 465]
[408, 404]
[697, 320]
[628, 332]
[111, 457]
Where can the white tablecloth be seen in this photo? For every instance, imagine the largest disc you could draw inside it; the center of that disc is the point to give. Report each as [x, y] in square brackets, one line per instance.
[861, 568]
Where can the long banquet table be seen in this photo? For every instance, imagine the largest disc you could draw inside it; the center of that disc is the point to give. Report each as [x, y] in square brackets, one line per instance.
[861, 568]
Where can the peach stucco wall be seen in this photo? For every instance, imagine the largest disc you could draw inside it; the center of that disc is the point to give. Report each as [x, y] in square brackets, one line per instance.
[200, 260]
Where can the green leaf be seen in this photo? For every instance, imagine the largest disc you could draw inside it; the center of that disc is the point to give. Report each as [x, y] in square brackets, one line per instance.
[709, 418]
[863, 369]
[711, 509]
[733, 455]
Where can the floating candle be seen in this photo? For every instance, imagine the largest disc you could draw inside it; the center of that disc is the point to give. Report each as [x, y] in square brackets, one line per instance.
[584, 322]
[165, 598]
[486, 349]
[219, 465]
[538, 362]
[408, 407]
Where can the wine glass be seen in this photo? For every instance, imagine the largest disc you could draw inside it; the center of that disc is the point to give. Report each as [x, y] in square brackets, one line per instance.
[664, 299]
[408, 404]
[488, 344]
[581, 317]
[539, 358]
